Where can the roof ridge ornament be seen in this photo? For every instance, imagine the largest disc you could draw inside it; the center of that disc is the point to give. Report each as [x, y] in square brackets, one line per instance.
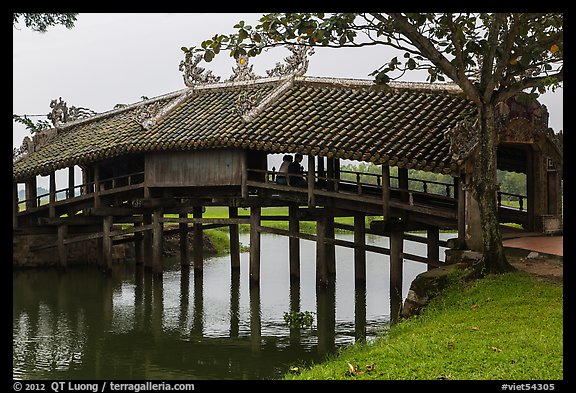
[250, 104]
[242, 71]
[194, 75]
[145, 114]
[295, 64]
[463, 138]
[61, 114]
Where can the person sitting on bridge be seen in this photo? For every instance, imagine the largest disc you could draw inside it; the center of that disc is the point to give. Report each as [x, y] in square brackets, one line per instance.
[281, 177]
[295, 171]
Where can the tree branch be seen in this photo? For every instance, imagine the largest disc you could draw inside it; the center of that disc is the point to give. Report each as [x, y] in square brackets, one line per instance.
[429, 51]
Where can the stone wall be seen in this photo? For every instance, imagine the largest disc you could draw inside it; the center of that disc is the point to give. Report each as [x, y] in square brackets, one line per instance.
[86, 252]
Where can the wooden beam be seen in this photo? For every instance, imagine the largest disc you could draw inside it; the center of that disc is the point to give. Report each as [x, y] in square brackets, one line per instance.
[255, 213]
[72, 221]
[197, 219]
[385, 227]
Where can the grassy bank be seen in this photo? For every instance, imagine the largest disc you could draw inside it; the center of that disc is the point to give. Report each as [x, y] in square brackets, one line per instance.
[504, 327]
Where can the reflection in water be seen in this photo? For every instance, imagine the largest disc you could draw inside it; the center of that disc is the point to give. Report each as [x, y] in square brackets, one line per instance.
[185, 324]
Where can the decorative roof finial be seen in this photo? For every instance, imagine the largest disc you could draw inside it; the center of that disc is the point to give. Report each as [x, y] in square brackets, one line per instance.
[61, 114]
[193, 74]
[242, 71]
[296, 64]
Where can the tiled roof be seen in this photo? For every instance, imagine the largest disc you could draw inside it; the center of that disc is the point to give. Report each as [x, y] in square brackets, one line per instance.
[349, 119]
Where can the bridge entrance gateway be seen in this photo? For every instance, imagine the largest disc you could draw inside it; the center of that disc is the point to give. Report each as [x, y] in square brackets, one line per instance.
[152, 168]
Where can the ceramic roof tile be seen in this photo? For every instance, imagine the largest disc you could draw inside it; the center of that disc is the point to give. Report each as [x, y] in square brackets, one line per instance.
[351, 119]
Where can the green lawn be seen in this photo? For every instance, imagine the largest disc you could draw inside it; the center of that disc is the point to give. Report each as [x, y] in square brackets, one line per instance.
[502, 327]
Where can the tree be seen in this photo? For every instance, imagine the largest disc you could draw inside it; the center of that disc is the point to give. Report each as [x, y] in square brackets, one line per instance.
[41, 21]
[492, 57]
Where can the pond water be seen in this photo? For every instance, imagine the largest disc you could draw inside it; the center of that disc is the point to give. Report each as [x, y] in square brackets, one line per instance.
[132, 325]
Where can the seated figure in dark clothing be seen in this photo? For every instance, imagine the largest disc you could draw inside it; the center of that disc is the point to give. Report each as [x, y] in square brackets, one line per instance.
[281, 176]
[295, 171]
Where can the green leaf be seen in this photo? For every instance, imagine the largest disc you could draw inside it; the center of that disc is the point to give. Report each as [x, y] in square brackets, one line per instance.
[208, 56]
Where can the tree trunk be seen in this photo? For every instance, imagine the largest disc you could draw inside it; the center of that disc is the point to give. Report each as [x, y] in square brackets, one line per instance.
[485, 188]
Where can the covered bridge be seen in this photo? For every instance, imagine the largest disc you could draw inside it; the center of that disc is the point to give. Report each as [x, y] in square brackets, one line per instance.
[210, 143]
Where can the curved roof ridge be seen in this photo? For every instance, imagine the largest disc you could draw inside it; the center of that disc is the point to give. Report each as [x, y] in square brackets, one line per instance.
[128, 107]
[349, 82]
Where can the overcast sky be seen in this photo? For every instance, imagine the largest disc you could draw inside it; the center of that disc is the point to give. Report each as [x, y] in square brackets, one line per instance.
[107, 59]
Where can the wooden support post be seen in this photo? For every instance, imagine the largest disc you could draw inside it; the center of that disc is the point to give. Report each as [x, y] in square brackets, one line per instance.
[294, 242]
[255, 319]
[147, 220]
[360, 311]
[396, 262]
[107, 242]
[234, 240]
[255, 214]
[198, 319]
[14, 205]
[531, 194]
[157, 241]
[403, 183]
[337, 174]
[359, 248]
[330, 247]
[321, 268]
[330, 174]
[71, 181]
[96, 186]
[138, 246]
[235, 303]
[183, 231]
[311, 180]
[51, 209]
[100, 254]
[386, 191]
[198, 240]
[326, 317]
[31, 193]
[461, 214]
[244, 180]
[62, 255]
[321, 171]
[433, 245]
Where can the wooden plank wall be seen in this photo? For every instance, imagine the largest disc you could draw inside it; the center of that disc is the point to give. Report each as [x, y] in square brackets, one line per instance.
[194, 168]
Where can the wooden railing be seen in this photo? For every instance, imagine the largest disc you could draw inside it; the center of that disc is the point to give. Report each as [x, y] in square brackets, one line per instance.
[362, 183]
[84, 189]
[512, 197]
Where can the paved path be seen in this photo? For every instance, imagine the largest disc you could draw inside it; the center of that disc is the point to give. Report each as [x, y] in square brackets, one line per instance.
[546, 244]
